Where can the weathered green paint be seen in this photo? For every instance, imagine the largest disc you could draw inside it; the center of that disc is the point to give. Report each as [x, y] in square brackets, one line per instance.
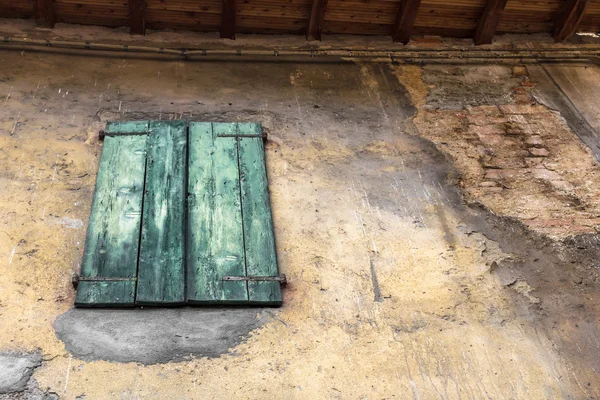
[241, 129]
[161, 271]
[215, 243]
[249, 129]
[112, 241]
[228, 229]
[261, 258]
[105, 294]
[126, 127]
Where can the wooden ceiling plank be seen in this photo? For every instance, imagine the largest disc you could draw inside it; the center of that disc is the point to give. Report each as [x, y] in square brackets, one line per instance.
[568, 19]
[228, 12]
[484, 33]
[137, 20]
[317, 16]
[44, 13]
[405, 19]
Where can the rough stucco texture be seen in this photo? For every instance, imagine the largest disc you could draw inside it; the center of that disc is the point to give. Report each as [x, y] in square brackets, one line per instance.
[397, 288]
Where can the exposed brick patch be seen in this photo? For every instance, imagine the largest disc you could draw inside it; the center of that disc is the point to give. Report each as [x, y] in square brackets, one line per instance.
[520, 159]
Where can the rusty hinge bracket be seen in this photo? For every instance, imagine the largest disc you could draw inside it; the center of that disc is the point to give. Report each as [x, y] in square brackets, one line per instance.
[282, 279]
[103, 134]
[243, 135]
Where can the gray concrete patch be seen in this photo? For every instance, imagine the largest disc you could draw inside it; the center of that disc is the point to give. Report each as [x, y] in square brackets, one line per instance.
[16, 369]
[151, 336]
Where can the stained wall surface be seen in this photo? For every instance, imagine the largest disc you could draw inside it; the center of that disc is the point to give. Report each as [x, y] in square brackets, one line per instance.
[415, 211]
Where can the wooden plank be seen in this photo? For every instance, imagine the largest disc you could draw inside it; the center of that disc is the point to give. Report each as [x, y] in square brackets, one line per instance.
[113, 234]
[137, 22]
[105, 294]
[227, 29]
[569, 18]
[241, 129]
[405, 19]
[484, 33]
[44, 13]
[126, 127]
[317, 16]
[259, 239]
[215, 242]
[161, 271]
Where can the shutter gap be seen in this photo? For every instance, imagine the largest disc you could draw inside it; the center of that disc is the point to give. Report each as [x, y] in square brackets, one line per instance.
[186, 212]
[237, 145]
[137, 265]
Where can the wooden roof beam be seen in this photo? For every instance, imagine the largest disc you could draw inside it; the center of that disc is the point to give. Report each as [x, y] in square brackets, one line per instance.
[137, 20]
[405, 20]
[317, 16]
[228, 12]
[44, 13]
[486, 28]
[568, 19]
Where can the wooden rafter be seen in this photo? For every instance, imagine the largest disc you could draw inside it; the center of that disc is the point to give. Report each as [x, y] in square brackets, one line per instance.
[569, 18]
[317, 16]
[484, 33]
[137, 20]
[405, 19]
[44, 12]
[228, 12]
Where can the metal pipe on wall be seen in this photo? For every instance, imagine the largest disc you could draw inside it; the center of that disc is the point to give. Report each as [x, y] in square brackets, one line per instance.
[409, 55]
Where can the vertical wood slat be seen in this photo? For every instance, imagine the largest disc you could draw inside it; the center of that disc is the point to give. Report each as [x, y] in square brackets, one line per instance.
[137, 20]
[317, 16]
[228, 14]
[215, 241]
[405, 20]
[44, 13]
[568, 19]
[112, 242]
[259, 239]
[161, 268]
[484, 33]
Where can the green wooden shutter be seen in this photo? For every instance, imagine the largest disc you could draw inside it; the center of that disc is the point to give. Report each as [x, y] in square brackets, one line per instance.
[145, 246]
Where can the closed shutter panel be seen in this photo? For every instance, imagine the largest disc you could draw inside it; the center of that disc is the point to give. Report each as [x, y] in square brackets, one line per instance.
[109, 265]
[161, 269]
[145, 247]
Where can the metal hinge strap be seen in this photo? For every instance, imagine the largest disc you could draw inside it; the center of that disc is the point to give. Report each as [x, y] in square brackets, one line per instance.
[242, 135]
[105, 279]
[103, 134]
[281, 278]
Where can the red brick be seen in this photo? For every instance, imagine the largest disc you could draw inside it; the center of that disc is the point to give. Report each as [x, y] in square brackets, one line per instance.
[539, 152]
[485, 110]
[546, 174]
[479, 120]
[497, 120]
[535, 141]
[518, 109]
[522, 99]
[534, 162]
[517, 119]
[487, 130]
